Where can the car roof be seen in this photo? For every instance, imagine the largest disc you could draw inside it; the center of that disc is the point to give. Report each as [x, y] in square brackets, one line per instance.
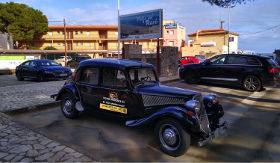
[110, 62]
[247, 55]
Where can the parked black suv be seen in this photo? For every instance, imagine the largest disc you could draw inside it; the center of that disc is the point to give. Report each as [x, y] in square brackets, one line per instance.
[250, 71]
[131, 90]
[76, 60]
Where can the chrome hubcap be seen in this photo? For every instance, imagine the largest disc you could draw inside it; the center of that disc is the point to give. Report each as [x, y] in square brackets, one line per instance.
[169, 136]
[67, 106]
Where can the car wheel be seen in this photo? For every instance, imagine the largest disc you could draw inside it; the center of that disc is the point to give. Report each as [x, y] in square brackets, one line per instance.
[252, 83]
[171, 137]
[67, 106]
[190, 78]
[19, 77]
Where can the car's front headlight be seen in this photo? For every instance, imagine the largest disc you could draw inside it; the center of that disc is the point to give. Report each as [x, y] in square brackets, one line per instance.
[193, 105]
[210, 99]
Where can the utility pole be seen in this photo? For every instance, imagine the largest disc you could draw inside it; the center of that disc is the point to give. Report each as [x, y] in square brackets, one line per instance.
[119, 29]
[65, 43]
[229, 23]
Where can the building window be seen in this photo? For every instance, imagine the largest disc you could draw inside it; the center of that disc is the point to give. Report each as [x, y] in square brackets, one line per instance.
[50, 33]
[81, 44]
[50, 44]
[58, 44]
[171, 43]
[58, 32]
[171, 32]
[63, 33]
[63, 44]
[88, 33]
[88, 44]
[77, 44]
[81, 32]
[76, 32]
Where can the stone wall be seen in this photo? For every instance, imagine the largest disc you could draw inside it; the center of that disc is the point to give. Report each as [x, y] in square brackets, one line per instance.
[5, 41]
[169, 61]
[168, 58]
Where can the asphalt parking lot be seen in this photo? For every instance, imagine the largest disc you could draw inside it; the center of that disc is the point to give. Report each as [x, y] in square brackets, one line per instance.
[254, 120]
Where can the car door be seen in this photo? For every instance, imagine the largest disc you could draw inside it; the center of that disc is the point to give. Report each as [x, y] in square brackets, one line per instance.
[32, 69]
[235, 66]
[116, 98]
[213, 69]
[24, 69]
[88, 84]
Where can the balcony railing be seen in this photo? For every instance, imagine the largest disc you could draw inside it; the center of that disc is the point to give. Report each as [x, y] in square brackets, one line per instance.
[79, 38]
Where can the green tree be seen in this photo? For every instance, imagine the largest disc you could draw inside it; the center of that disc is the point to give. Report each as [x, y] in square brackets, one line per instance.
[50, 48]
[22, 22]
[222, 3]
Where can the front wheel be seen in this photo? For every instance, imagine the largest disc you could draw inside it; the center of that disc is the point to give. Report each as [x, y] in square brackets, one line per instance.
[252, 83]
[190, 77]
[171, 137]
[67, 106]
[19, 77]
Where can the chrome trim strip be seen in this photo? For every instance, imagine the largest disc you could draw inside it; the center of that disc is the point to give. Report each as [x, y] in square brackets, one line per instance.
[224, 79]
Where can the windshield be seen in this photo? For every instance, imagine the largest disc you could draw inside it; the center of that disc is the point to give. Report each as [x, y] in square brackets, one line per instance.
[272, 62]
[81, 58]
[142, 76]
[48, 63]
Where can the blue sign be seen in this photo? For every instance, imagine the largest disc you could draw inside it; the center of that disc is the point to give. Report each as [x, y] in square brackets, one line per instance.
[170, 26]
[143, 25]
[231, 39]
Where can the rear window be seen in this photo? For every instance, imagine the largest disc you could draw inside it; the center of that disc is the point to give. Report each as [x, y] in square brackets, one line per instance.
[272, 62]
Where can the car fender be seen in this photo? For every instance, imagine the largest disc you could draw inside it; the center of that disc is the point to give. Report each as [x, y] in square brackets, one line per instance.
[69, 88]
[179, 113]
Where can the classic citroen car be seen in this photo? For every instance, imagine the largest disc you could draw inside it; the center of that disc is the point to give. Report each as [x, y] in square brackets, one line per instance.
[132, 91]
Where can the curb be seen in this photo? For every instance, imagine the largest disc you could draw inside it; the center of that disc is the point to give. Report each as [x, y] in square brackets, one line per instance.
[32, 108]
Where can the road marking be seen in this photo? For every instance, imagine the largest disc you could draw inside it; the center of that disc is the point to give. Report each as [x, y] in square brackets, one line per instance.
[238, 111]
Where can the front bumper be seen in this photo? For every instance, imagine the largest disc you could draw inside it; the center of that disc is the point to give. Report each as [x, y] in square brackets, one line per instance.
[221, 130]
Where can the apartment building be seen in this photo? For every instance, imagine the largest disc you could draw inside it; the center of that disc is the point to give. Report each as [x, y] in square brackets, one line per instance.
[103, 39]
[210, 42]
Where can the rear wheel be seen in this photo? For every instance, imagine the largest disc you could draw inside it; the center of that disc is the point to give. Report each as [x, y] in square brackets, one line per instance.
[190, 77]
[171, 137]
[252, 83]
[67, 106]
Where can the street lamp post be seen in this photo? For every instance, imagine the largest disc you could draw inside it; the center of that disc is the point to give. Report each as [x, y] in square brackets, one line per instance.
[118, 29]
[231, 6]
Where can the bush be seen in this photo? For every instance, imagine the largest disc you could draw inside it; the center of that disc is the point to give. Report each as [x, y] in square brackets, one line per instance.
[33, 48]
[50, 48]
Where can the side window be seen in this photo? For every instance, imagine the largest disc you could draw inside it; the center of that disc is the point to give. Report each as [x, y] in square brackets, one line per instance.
[90, 75]
[253, 61]
[113, 78]
[218, 60]
[237, 60]
[26, 63]
[32, 64]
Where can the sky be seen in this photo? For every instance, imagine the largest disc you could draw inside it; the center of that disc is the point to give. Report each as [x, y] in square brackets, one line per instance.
[257, 21]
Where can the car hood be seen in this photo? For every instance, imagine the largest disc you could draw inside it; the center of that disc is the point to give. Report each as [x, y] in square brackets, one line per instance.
[54, 68]
[161, 90]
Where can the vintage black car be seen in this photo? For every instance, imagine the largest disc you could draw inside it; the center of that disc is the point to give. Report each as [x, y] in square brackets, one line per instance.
[132, 91]
[252, 72]
[42, 70]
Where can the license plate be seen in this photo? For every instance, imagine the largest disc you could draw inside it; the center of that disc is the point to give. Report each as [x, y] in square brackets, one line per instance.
[62, 74]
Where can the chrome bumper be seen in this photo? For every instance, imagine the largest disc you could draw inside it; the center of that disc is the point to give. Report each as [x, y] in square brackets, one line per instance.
[221, 130]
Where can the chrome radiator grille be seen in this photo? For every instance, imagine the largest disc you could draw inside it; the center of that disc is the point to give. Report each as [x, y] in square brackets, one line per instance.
[203, 118]
[150, 100]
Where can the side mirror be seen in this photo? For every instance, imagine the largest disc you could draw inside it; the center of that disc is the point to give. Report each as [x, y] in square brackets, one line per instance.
[207, 62]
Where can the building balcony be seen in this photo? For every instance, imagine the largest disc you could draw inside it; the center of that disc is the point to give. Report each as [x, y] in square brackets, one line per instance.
[77, 38]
